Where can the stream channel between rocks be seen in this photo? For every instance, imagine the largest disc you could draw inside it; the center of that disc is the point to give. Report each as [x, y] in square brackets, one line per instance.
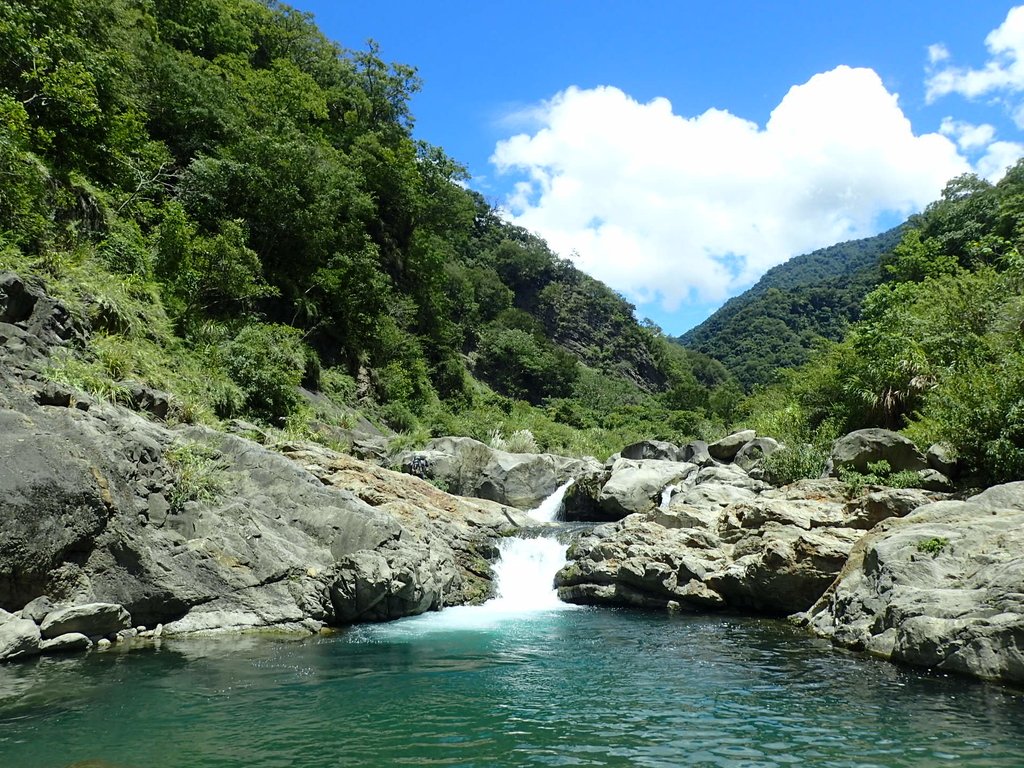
[520, 680]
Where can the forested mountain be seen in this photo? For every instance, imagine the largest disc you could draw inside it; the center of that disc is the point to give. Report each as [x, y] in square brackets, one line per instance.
[938, 351]
[777, 323]
[237, 205]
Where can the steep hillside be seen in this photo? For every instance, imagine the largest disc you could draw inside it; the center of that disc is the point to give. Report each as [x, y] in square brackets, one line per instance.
[236, 205]
[777, 322]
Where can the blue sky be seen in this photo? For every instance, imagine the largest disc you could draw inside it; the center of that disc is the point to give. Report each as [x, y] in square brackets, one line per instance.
[678, 150]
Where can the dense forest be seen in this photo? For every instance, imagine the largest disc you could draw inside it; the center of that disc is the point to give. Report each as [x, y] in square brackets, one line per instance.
[237, 206]
[239, 211]
[780, 320]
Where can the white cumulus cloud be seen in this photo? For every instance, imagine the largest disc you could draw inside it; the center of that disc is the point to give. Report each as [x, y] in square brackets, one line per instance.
[670, 208]
[1003, 72]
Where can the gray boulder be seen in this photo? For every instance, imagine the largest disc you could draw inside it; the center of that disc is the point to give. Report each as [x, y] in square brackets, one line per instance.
[696, 452]
[651, 449]
[940, 458]
[68, 643]
[942, 587]
[91, 619]
[468, 467]
[18, 637]
[755, 451]
[636, 486]
[727, 448]
[867, 446]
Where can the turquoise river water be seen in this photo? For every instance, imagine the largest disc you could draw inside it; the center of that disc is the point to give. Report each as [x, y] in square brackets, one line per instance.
[548, 688]
[523, 680]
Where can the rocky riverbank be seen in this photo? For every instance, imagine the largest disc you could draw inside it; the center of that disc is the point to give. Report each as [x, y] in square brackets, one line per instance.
[116, 526]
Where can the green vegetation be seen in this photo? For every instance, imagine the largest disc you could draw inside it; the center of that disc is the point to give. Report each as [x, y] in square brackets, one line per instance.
[932, 546]
[781, 320]
[938, 351]
[235, 206]
[197, 474]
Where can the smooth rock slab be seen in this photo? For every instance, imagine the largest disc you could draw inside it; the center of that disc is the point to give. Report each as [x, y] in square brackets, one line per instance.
[91, 619]
[67, 643]
[727, 448]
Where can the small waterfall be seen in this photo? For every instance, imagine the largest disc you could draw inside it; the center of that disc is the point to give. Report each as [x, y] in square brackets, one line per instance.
[525, 573]
[551, 507]
[666, 495]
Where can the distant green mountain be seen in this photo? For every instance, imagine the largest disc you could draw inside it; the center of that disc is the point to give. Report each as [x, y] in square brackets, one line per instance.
[776, 323]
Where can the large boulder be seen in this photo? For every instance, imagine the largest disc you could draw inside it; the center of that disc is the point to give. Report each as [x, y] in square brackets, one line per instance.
[651, 449]
[19, 638]
[467, 467]
[91, 620]
[755, 451]
[727, 448]
[636, 486]
[942, 587]
[768, 550]
[868, 446]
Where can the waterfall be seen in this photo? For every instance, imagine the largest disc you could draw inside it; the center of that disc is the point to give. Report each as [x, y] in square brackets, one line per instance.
[666, 495]
[549, 509]
[525, 573]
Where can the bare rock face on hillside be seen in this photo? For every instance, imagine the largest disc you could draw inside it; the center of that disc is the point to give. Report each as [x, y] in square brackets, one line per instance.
[942, 587]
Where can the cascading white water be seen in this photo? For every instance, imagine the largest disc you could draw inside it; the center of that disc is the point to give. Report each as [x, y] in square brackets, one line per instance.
[549, 509]
[666, 495]
[525, 573]
[524, 581]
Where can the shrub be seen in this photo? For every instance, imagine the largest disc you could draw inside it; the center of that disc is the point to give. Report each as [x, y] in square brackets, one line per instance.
[788, 465]
[932, 546]
[399, 417]
[197, 474]
[267, 362]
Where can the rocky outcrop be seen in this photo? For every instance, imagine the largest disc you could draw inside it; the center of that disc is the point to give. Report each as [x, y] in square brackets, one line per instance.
[467, 467]
[719, 545]
[942, 587]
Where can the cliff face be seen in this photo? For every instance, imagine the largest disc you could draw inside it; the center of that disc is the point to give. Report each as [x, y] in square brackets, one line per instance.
[200, 530]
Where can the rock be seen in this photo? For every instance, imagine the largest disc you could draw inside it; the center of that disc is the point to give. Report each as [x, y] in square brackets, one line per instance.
[147, 399]
[1006, 496]
[933, 480]
[67, 643]
[37, 609]
[636, 486]
[711, 496]
[867, 511]
[782, 568]
[729, 475]
[651, 449]
[103, 644]
[55, 394]
[371, 587]
[467, 467]
[942, 587]
[19, 638]
[753, 452]
[580, 502]
[727, 448]
[696, 452]
[867, 446]
[92, 619]
[940, 458]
